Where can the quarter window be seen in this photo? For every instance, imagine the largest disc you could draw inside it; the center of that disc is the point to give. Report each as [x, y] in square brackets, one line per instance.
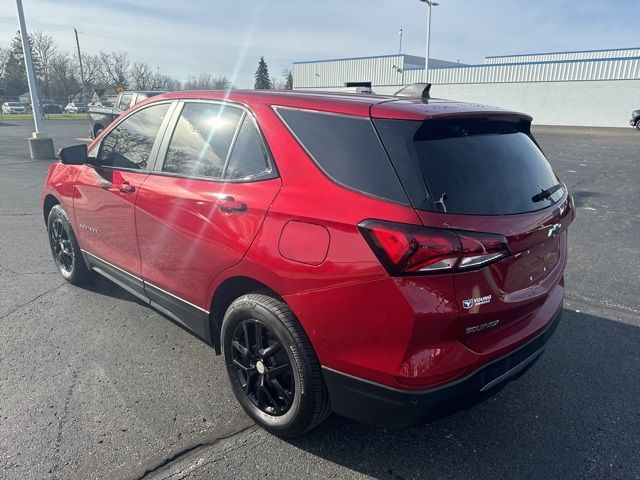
[201, 140]
[249, 157]
[129, 144]
[348, 150]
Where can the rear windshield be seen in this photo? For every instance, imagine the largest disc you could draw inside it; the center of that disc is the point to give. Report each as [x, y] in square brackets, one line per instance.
[474, 166]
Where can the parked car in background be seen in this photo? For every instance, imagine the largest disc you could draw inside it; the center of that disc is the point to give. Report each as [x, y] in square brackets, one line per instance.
[387, 258]
[635, 119]
[100, 103]
[76, 107]
[51, 108]
[13, 107]
[102, 115]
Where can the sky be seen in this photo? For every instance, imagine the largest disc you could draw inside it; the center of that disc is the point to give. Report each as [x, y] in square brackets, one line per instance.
[228, 37]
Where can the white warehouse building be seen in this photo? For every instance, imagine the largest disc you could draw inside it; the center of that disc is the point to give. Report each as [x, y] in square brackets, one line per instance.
[588, 88]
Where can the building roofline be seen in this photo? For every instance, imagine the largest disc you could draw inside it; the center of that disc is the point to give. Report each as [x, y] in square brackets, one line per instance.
[564, 53]
[541, 62]
[361, 58]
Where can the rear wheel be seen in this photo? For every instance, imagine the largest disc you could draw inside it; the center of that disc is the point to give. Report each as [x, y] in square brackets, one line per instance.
[65, 249]
[273, 370]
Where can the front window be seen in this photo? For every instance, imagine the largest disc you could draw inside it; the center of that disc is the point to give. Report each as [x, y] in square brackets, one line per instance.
[129, 144]
[202, 139]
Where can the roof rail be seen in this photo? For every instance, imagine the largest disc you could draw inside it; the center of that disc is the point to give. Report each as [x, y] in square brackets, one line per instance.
[415, 90]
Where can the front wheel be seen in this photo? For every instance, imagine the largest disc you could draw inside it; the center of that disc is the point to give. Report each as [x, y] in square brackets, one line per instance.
[65, 249]
[272, 367]
[638, 124]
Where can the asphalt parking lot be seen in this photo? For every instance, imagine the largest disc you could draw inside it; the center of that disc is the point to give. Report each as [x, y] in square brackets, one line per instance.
[95, 385]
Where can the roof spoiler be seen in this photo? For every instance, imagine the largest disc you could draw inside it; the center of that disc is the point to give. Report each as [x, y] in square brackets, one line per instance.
[415, 90]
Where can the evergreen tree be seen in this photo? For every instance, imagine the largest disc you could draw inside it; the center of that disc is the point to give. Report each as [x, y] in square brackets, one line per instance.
[15, 75]
[263, 82]
[289, 83]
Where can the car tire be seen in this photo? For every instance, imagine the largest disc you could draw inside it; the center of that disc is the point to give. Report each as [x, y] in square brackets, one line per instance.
[638, 124]
[272, 367]
[65, 249]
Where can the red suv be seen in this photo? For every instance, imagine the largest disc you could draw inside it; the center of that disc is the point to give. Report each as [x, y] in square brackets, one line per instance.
[387, 258]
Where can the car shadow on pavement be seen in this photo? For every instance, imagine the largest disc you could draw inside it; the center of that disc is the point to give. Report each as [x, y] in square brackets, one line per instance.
[102, 286]
[575, 414]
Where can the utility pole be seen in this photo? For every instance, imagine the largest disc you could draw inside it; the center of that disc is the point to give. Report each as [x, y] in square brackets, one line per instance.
[40, 145]
[400, 49]
[430, 4]
[80, 61]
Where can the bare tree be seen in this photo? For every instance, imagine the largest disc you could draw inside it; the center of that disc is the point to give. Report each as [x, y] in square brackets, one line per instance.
[114, 69]
[64, 74]
[142, 76]
[91, 66]
[45, 49]
[206, 81]
[165, 82]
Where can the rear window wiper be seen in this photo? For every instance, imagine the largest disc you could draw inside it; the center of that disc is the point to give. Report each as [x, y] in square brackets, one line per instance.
[546, 193]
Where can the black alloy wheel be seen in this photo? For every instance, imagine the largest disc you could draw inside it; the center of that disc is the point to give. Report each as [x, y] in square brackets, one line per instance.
[263, 367]
[61, 248]
[65, 249]
[272, 366]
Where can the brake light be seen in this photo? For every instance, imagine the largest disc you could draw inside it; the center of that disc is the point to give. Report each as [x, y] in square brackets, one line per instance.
[410, 250]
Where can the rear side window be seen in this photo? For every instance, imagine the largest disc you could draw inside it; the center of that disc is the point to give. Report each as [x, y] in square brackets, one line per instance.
[249, 158]
[202, 139]
[129, 144]
[348, 150]
[472, 166]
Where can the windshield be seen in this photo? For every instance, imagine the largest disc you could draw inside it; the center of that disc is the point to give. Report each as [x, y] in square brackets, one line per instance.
[476, 167]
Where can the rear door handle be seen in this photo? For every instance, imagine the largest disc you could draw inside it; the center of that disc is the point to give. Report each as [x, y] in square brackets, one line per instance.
[126, 187]
[229, 204]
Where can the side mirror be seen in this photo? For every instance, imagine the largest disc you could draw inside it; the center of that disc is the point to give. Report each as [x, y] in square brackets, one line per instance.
[75, 155]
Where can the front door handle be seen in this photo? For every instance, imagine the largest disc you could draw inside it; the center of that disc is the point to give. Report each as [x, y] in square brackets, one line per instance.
[229, 204]
[126, 187]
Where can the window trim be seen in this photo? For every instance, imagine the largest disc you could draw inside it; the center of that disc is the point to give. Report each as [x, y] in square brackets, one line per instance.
[156, 143]
[161, 156]
[276, 108]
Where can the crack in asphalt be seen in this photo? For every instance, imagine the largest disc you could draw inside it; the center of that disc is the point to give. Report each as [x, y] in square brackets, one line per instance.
[61, 423]
[13, 272]
[600, 304]
[182, 473]
[18, 214]
[31, 301]
[192, 448]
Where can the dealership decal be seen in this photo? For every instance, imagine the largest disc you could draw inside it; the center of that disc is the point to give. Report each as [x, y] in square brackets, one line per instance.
[474, 302]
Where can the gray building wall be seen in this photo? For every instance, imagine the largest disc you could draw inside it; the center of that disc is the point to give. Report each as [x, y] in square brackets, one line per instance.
[563, 56]
[600, 91]
[596, 104]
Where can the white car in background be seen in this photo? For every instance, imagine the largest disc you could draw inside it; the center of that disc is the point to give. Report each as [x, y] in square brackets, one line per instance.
[13, 107]
[76, 107]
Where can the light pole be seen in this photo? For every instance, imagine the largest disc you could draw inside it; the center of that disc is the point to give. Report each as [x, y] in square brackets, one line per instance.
[40, 145]
[400, 49]
[430, 4]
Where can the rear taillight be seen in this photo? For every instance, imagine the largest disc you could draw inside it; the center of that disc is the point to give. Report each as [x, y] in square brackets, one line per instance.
[411, 250]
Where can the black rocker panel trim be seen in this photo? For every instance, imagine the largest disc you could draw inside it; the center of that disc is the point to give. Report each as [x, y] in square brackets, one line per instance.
[180, 311]
[192, 317]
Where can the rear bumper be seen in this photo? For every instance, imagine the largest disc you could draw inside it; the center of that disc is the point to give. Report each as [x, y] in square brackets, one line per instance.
[376, 404]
